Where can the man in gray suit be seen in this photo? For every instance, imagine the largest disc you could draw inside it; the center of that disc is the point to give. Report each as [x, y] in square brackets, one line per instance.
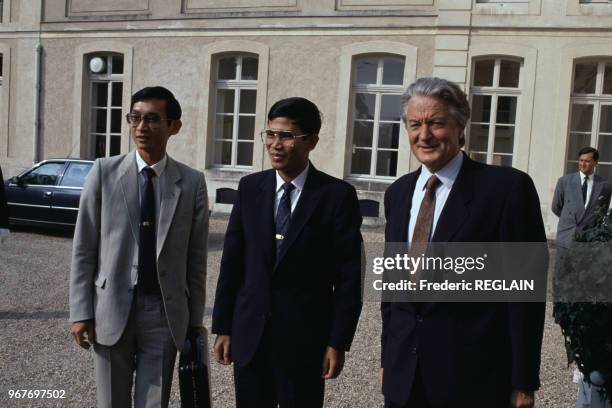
[137, 282]
[578, 196]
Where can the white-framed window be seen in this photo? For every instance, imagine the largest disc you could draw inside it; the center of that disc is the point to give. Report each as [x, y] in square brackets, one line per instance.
[377, 86]
[590, 122]
[494, 98]
[105, 101]
[235, 103]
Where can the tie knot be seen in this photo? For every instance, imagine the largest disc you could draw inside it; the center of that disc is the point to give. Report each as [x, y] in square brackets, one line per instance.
[432, 183]
[586, 178]
[288, 187]
[148, 173]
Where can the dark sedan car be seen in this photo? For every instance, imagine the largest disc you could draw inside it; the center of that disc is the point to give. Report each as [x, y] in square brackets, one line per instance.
[48, 193]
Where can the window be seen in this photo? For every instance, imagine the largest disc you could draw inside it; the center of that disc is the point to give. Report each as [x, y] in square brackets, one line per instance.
[44, 175]
[235, 102]
[75, 175]
[375, 97]
[591, 114]
[105, 91]
[495, 94]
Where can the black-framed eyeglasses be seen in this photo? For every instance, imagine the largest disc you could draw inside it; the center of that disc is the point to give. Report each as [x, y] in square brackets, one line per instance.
[268, 136]
[150, 119]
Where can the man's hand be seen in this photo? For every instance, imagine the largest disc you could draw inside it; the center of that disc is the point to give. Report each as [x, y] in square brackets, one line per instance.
[333, 362]
[521, 399]
[222, 349]
[82, 328]
[379, 376]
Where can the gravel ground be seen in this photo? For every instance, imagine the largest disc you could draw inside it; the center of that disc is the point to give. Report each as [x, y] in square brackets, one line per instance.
[36, 351]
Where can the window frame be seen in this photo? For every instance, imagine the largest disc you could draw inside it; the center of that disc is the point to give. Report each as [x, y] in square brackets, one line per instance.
[379, 89]
[495, 91]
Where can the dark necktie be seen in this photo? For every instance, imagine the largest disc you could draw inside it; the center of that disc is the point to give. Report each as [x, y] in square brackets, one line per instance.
[422, 228]
[585, 186]
[147, 253]
[283, 215]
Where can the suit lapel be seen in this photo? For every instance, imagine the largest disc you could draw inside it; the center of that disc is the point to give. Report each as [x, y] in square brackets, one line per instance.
[129, 187]
[171, 191]
[263, 215]
[403, 207]
[595, 193]
[307, 203]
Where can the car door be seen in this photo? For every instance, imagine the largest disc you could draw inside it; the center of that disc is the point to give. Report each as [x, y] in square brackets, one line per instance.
[30, 198]
[65, 203]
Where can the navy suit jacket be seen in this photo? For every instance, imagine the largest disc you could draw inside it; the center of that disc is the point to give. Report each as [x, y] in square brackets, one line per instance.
[309, 297]
[468, 354]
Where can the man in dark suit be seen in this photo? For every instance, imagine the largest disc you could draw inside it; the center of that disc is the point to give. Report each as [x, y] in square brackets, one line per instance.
[578, 196]
[458, 354]
[289, 292]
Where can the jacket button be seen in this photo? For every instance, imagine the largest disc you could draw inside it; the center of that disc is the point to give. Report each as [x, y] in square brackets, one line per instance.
[419, 319]
[414, 350]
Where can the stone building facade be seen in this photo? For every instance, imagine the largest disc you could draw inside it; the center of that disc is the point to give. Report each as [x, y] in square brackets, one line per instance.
[538, 72]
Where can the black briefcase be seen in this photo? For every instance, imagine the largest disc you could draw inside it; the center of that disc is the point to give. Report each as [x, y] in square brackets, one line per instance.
[194, 377]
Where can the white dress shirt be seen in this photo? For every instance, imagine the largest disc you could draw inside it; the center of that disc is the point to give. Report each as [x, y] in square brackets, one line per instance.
[447, 176]
[298, 182]
[158, 168]
[589, 186]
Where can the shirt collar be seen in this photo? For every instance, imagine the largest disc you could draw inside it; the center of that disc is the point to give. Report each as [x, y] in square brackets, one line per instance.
[298, 182]
[447, 174]
[158, 167]
[582, 176]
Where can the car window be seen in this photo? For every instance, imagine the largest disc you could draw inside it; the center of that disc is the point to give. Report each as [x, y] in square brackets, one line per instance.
[45, 175]
[75, 175]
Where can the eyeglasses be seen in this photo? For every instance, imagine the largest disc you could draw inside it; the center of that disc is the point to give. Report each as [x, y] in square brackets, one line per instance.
[150, 119]
[268, 136]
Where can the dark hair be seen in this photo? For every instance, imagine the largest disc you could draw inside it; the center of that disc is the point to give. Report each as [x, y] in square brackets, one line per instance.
[587, 150]
[301, 111]
[173, 108]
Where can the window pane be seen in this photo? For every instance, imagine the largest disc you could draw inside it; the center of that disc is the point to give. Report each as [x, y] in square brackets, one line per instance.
[364, 105]
[390, 107]
[500, 160]
[245, 154]
[249, 68]
[607, 85]
[246, 127]
[223, 153]
[117, 93]
[366, 70]
[115, 147]
[360, 162]
[388, 135]
[227, 68]
[506, 109]
[75, 176]
[509, 73]
[43, 175]
[116, 121]
[118, 64]
[100, 146]
[386, 163]
[393, 71]
[225, 126]
[582, 117]
[481, 108]
[101, 64]
[99, 92]
[362, 133]
[247, 100]
[99, 118]
[605, 171]
[605, 148]
[479, 137]
[584, 77]
[504, 139]
[605, 123]
[483, 72]
[225, 101]
[576, 142]
[481, 157]
[572, 167]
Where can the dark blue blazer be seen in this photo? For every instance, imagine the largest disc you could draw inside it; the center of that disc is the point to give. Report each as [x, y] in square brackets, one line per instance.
[468, 354]
[309, 297]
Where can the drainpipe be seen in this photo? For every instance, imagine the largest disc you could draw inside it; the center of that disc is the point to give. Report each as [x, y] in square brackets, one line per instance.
[36, 129]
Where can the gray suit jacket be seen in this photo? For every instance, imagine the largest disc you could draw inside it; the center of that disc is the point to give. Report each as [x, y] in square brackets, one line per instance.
[568, 205]
[105, 248]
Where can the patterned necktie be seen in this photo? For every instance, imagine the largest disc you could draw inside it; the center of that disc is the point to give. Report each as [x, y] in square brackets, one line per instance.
[147, 253]
[422, 228]
[283, 215]
[585, 186]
